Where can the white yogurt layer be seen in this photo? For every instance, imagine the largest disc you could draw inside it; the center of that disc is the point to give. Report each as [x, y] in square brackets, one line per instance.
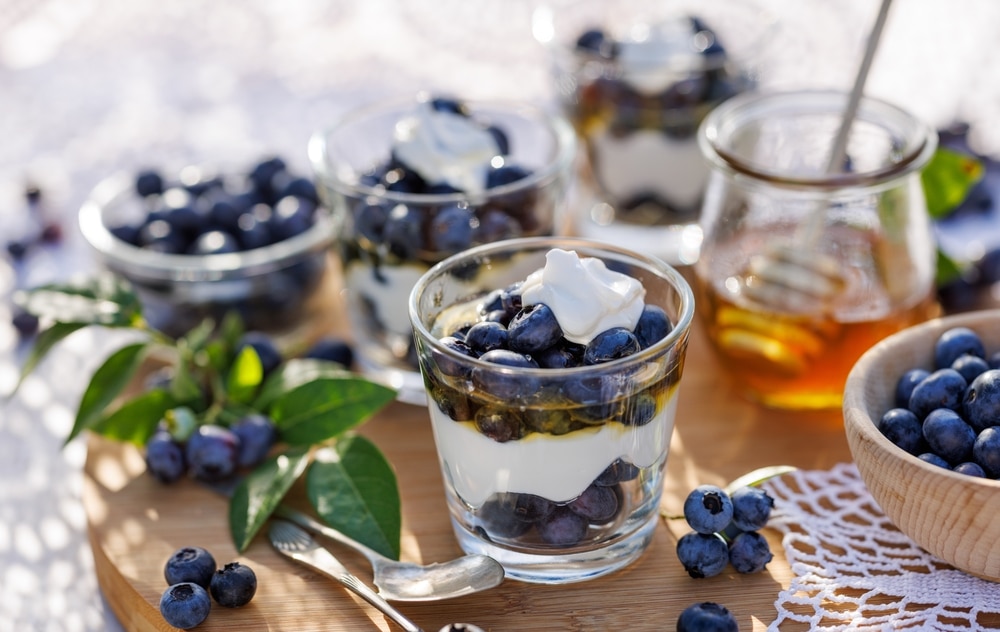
[445, 147]
[390, 294]
[558, 468]
[585, 297]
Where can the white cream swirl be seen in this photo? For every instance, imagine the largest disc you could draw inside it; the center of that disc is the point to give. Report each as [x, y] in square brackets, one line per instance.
[584, 295]
[445, 147]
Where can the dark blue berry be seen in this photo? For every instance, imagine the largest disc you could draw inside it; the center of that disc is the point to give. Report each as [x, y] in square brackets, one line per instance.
[214, 242]
[970, 366]
[903, 428]
[165, 457]
[501, 139]
[332, 350]
[185, 605]
[263, 174]
[212, 453]
[448, 104]
[291, 216]
[257, 434]
[403, 232]
[751, 508]
[25, 323]
[504, 384]
[948, 435]
[562, 527]
[451, 229]
[499, 424]
[905, 385]
[251, 231]
[486, 336]
[510, 299]
[267, 351]
[160, 235]
[190, 564]
[556, 357]
[653, 326]
[596, 42]
[706, 617]
[944, 388]
[598, 504]
[970, 468]
[233, 585]
[638, 410]
[955, 342]
[618, 472]
[504, 175]
[495, 225]
[702, 554]
[708, 509]
[749, 552]
[933, 459]
[533, 329]
[301, 188]
[128, 233]
[986, 451]
[611, 344]
[148, 182]
[981, 405]
[370, 218]
[500, 518]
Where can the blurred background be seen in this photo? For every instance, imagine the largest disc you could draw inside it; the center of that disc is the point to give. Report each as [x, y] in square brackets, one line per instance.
[92, 87]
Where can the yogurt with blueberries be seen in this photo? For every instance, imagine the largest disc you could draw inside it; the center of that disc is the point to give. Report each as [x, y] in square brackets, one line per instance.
[553, 405]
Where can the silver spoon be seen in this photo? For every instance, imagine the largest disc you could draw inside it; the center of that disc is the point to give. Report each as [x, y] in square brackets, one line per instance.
[298, 545]
[406, 581]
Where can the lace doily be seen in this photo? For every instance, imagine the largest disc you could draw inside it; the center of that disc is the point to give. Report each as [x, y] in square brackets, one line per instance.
[854, 570]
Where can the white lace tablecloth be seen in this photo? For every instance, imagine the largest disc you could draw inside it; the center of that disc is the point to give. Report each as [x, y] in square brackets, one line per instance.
[90, 87]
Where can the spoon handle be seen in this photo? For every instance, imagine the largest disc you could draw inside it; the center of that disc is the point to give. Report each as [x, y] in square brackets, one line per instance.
[303, 520]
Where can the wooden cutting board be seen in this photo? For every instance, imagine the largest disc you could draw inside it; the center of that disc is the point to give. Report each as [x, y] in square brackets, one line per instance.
[135, 524]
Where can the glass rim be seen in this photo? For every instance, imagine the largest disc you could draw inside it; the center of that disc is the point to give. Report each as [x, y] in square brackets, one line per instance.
[719, 125]
[562, 132]
[522, 244]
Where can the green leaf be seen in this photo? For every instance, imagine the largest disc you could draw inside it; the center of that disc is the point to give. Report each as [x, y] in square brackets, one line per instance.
[99, 301]
[947, 180]
[294, 373]
[947, 269]
[326, 407]
[260, 493]
[353, 489]
[46, 340]
[106, 384]
[245, 375]
[136, 420]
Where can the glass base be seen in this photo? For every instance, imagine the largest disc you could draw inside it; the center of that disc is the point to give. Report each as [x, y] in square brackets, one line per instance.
[677, 244]
[555, 568]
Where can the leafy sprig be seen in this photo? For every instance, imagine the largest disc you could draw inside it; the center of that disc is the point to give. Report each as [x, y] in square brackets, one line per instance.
[316, 406]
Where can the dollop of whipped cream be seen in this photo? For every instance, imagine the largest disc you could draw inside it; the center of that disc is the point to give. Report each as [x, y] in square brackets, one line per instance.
[585, 297]
[445, 147]
[655, 56]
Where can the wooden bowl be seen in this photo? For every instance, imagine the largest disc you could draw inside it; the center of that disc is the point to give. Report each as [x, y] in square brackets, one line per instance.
[950, 515]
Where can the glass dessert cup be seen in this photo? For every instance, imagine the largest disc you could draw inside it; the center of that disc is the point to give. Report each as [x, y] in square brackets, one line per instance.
[636, 79]
[378, 270]
[521, 448]
[769, 190]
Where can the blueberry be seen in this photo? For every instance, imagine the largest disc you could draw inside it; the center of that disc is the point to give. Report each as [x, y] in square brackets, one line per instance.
[970, 366]
[702, 554]
[160, 235]
[499, 424]
[185, 605]
[638, 410]
[510, 298]
[533, 329]
[933, 459]
[905, 384]
[25, 323]
[257, 434]
[292, 216]
[251, 231]
[994, 360]
[451, 229]
[706, 617]
[611, 344]
[495, 225]
[190, 564]
[981, 405]
[128, 233]
[944, 388]
[164, 457]
[450, 366]
[148, 182]
[402, 233]
[486, 336]
[598, 504]
[653, 326]
[749, 552]
[448, 104]
[212, 453]
[214, 242]
[332, 350]
[562, 527]
[510, 515]
[225, 212]
[903, 428]
[233, 585]
[955, 342]
[970, 468]
[263, 174]
[267, 351]
[504, 175]
[597, 396]
[948, 435]
[370, 218]
[501, 139]
[301, 188]
[556, 357]
[502, 384]
[596, 42]
[986, 451]
[618, 472]
[708, 509]
[186, 218]
[751, 508]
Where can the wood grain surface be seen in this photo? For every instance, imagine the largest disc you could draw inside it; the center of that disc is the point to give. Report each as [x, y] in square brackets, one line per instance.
[135, 524]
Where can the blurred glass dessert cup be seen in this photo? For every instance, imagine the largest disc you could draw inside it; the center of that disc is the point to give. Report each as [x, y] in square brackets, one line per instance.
[552, 439]
[412, 182]
[774, 216]
[636, 79]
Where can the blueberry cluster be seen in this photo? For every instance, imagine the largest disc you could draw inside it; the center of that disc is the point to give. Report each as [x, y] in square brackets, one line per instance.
[508, 334]
[509, 515]
[706, 616]
[213, 452]
[950, 415]
[205, 214]
[192, 575]
[726, 531]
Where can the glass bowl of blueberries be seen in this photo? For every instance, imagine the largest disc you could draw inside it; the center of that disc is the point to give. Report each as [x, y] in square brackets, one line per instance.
[197, 242]
[413, 181]
[922, 416]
